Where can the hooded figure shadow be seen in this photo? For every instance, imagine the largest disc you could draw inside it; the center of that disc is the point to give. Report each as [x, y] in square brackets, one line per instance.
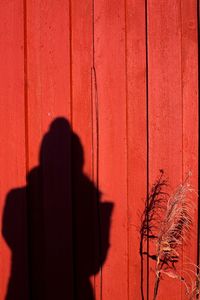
[56, 226]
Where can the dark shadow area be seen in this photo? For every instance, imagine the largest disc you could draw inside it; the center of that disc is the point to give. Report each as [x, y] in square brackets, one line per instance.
[56, 226]
[150, 223]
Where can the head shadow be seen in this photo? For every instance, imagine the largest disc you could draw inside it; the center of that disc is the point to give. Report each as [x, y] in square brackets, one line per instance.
[56, 226]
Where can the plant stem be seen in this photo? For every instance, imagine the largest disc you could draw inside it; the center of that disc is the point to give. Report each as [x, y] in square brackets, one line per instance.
[156, 285]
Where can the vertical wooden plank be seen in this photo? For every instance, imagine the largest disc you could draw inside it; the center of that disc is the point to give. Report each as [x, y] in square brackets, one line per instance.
[13, 223]
[165, 108]
[84, 189]
[111, 86]
[137, 141]
[48, 68]
[49, 131]
[190, 117]
[82, 58]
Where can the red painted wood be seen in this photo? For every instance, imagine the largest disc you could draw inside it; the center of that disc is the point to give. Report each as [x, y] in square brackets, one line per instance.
[137, 141]
[87, 171]
[85, 189]
[13, 249]
[49, 97]
[166, 105]
[111, 86]
[190, 118]
[48, 68]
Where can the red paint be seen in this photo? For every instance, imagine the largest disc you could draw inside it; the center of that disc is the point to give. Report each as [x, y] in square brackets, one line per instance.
[137, 141]
[12, 150]
[190, 115]
[128, 115]
[49, 97]
[111, 80]
[172, 86]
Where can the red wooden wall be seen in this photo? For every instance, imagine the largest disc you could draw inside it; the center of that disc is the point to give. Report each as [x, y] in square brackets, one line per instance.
[125, 76]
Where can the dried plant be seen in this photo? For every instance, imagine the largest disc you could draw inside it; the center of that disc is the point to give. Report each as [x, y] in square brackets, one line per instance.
[193, 283]
[152, 216]
[154, 206]
[174, 230]
[167, 221]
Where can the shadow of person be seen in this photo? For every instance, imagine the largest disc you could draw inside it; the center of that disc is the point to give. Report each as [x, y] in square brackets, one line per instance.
[56, 226]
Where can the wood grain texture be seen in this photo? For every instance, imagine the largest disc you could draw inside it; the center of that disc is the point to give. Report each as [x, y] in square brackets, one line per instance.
[95, 98]
[85, 189]
[111, 83]
[190, 126]
[165, 108]
[49, 144]
[13, 248]
[136, 143]
[173, 99]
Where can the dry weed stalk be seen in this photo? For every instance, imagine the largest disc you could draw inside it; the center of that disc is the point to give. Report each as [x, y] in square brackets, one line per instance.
[174, 230]
[192, 271]
[167, 221]
[154, 206]
[151, 218]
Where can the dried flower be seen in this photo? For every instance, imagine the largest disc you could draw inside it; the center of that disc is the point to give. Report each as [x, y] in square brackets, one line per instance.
[167, 221]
